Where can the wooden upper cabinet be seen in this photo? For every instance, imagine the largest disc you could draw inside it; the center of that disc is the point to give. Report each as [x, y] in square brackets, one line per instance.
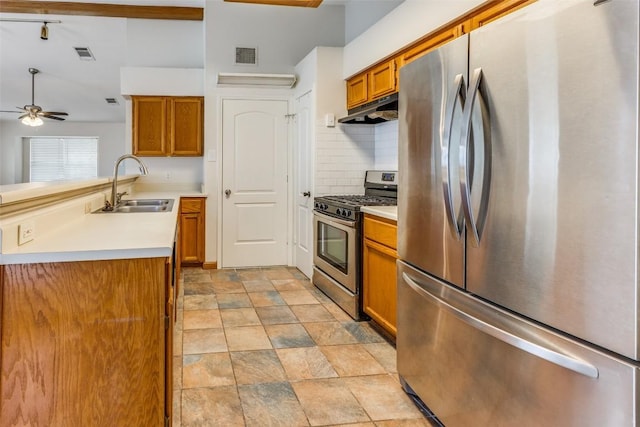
[382, 79]
[186, 126]
[499, 10]
[427, 45]
[357, 90]
[149, 125]
[168, 126]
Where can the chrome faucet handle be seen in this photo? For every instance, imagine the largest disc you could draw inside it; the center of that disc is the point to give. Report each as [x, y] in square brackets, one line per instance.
[107, 206]
[119, 197]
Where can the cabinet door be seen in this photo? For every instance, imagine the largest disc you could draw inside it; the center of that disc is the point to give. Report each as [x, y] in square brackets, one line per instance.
[499, 10]
[379, 290]
[186, 116]
[357, 90]
[192, 230]
[427, 45]
[382, 79]
[149, 125]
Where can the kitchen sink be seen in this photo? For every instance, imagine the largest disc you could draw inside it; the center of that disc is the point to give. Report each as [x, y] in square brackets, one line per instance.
[141, 205]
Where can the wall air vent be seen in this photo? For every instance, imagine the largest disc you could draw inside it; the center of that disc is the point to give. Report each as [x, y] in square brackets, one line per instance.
[246, 56]
[111, 101]
[85, 54]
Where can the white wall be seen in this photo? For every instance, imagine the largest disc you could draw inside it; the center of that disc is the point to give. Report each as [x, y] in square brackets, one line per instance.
[110, 146]
[360, 15]
[406, 23]
[283, 35]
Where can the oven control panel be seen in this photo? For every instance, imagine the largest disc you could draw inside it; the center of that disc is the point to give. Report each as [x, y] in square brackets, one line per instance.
[331, 210]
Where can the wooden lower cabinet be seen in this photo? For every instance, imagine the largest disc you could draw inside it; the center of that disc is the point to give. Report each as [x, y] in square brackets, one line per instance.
[379, 271]
[86, 343]
[192, 214]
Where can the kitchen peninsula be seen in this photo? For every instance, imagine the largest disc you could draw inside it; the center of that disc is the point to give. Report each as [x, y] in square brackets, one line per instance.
[87, 307]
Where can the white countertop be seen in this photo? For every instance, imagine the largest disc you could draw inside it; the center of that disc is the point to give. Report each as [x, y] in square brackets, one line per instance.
[388, 212]
[89, 236]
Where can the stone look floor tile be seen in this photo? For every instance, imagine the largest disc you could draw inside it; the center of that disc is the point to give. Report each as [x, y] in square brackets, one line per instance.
[329, 333]
[232, 317]
[382, 397]
[385, 354]
[288, 336]
[312, 313]
[257, 367]
[288, 285]
[219, 406]
[262, 285]
[233, 300]
[273, 404]
[276, 315]
[198, 341]
[201, 319]
[228, 287]
[244, 372]
[200, 302]
[266, 299]
[298, 297]
[207, 370]
[327, 402]
[247, 338]
[305, 363]
[352, 360]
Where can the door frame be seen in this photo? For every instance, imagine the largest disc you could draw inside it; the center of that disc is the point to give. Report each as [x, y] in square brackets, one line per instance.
[219, 187]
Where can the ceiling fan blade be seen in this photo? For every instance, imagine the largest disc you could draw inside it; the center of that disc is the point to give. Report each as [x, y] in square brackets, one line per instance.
[51, 117]
[23, 116]
[11, 111]
[57, 113]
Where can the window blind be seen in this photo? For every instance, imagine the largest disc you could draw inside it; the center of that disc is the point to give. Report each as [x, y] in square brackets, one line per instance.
[53, 159]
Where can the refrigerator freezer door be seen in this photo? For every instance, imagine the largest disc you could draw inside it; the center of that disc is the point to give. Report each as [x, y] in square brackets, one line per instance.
[560, 242]
[430, 109]
[475, 365]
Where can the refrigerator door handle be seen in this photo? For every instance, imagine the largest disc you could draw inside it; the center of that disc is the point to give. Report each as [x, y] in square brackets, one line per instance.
[456, 95]
[553, 356]
[478, 121]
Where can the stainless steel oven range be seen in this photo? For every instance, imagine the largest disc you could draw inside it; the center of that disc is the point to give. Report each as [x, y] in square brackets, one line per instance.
[337, 225]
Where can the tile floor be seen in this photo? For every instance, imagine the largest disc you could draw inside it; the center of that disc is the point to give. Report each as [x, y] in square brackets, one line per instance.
[264, 347]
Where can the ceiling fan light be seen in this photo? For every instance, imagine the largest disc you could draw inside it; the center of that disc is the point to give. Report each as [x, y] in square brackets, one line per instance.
[32, 121]
[44, 32]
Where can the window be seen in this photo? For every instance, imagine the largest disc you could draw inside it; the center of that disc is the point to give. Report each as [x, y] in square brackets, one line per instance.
[53, 159]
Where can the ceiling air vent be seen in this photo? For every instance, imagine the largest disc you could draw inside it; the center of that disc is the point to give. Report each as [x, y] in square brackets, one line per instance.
[111, 101]
[246, 56]
[84, 53]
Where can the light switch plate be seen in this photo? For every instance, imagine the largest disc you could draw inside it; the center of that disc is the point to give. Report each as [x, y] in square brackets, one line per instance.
[329, 120]
[211, 155]
[26, 232]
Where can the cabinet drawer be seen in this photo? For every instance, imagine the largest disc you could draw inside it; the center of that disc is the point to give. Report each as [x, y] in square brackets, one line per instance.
[190, 205]
[381, 230]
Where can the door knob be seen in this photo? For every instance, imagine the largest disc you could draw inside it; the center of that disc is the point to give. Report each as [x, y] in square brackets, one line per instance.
[307, 194]
[227, 192]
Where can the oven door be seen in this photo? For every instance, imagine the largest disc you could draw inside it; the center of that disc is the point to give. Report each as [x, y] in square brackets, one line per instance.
[335, 249]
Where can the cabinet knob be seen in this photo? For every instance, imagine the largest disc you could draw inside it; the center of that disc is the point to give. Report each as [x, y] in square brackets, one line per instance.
[227, 192]
[307, 194]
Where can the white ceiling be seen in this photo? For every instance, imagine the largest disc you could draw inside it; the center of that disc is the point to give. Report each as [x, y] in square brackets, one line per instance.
[66, 83]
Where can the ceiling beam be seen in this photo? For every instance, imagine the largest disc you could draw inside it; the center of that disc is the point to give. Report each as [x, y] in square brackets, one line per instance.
[300, 3]
[99, 9]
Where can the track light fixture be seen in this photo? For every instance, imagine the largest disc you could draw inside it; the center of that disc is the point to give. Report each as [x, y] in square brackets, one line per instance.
[44, 31]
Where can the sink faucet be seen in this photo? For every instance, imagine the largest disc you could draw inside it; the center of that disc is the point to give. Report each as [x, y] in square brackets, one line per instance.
[115, 197]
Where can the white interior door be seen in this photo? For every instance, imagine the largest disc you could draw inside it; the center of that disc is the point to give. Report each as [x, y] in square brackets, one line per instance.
[303, 221]
[254, 182]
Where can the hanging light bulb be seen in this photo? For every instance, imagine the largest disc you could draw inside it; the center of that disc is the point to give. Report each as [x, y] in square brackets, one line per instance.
[32, 121]
[44, 31]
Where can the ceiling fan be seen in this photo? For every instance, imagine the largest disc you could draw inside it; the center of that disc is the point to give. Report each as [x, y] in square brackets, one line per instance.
[32, 113]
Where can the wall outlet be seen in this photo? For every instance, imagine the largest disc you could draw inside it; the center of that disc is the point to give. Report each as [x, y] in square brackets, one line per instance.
[26, 232]
[329, 120]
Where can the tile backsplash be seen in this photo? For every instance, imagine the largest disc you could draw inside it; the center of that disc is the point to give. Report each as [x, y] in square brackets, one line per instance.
[345, 152]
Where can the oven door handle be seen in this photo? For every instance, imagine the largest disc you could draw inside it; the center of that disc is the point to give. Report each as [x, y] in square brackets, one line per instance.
[333, 220]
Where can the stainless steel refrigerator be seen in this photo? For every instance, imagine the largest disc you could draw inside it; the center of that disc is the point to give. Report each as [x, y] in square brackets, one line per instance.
[518, 220]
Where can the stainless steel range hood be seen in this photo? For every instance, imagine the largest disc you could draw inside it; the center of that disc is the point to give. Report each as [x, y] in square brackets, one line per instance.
[380, 110]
